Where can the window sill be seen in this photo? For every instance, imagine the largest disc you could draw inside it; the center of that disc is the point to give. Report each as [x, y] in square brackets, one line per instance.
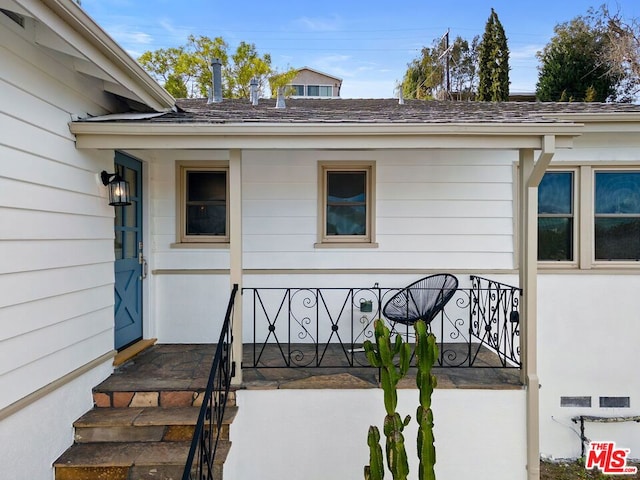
[194, 245]
[345, 245]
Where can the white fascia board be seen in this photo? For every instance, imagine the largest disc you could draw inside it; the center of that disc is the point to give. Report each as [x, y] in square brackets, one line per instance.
[320, 136]
[68, 21]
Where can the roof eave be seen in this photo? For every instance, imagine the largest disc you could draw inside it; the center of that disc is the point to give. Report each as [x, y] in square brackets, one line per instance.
[58, 14]
[321, 135]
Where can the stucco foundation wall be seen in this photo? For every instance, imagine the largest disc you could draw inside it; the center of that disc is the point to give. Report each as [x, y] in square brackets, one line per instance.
[321, 434]
[589, 325]
[34, 437]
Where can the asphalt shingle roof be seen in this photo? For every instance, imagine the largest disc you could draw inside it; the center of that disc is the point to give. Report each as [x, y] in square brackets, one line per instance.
[380, 111]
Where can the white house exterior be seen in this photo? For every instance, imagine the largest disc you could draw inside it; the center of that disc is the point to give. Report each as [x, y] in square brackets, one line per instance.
[56, 229]
[449, 187]
[309, 82]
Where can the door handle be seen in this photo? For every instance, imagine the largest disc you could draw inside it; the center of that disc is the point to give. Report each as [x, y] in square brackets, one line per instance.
[145, 268]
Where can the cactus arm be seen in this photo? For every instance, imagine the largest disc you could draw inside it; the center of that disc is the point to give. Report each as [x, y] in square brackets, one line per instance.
[375, 469]
[427, 354]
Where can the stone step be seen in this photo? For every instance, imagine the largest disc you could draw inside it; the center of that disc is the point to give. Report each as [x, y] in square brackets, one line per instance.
[172, 424]
[130, 461]
[107, 398]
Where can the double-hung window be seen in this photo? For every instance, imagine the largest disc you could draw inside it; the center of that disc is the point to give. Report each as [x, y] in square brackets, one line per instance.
[203, 203]
[347, 203]
[556, 216]
[601, 229]
[617, 215]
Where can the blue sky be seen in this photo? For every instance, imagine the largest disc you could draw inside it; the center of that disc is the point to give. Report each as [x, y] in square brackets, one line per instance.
[366, 43]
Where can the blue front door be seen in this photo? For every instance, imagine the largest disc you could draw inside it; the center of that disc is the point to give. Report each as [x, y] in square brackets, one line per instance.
[129, 259]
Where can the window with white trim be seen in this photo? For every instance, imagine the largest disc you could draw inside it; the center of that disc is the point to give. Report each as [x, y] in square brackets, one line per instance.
[203, 202]
[347, 203]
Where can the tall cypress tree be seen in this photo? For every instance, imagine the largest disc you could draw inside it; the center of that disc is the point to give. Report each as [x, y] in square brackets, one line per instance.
[493, 62]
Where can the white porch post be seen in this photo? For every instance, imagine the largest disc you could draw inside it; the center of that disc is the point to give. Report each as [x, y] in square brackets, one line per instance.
[528, 283]
[235, 254]
[530, 176]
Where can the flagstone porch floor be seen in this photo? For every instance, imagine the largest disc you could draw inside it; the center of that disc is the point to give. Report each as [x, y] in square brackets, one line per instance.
[186, 367]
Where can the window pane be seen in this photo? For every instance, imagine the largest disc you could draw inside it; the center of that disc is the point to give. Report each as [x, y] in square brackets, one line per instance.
[555, 238]
[555, 217]
[204, 186]
[346, 220]
[119, 251]
[206, 205]
[617, 192]
[325, 91]
[313, 90]
[346, 187]
[346, 203]
[130, 246]
[206, 219]
[617, 238]
[555, 193]
[298, 90]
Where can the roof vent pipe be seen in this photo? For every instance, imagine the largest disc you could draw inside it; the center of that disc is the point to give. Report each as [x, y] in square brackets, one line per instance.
[280, 99]
[254, 91]
[216, 68]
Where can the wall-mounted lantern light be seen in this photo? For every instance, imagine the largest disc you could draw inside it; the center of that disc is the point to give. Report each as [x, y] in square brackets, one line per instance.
[118, 189]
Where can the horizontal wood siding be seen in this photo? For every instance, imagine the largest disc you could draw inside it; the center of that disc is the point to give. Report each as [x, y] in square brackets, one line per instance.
[434, 209]
[56, 229]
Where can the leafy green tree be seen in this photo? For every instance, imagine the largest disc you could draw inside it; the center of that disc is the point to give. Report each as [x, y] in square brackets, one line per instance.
[426, 76]
[571, 65]
[282, 80]
[185, 71]
[493, 59]
[247, 64]
[464, 68]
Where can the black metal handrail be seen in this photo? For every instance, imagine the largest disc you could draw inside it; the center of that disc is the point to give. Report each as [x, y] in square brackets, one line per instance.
[326, 327]
[204, 445]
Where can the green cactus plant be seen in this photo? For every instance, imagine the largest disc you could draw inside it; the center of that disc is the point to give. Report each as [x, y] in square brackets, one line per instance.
[426, 353]
[375, 469]
[382, 355]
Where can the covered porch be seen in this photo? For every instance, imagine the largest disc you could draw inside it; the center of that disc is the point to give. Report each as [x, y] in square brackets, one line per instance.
[273, 166]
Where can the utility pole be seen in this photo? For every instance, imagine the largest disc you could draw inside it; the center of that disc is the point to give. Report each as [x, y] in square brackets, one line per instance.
[446, 45]
[447, 54]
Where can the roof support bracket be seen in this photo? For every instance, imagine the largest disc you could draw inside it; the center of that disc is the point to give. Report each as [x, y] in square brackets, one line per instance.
[541, 165]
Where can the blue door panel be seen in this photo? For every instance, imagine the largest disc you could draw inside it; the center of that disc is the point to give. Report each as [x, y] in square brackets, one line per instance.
[128, 249]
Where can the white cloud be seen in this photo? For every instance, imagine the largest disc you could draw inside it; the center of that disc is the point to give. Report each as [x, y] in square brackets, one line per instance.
[320, 24]
[526, 52]
[128, 37]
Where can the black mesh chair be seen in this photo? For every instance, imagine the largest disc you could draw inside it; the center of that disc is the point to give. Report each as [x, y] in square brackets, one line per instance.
[421, 300]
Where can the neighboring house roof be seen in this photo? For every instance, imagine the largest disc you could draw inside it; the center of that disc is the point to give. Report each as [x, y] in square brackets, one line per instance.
[363, 111]
[320, 73]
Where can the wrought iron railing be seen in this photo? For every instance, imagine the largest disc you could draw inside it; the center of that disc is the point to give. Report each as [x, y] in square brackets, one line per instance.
[326, 327]
[206, 437]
